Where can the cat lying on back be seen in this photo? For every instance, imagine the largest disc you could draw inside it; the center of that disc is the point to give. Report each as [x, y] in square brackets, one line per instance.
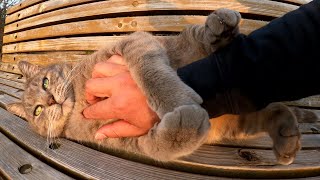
[53, 100]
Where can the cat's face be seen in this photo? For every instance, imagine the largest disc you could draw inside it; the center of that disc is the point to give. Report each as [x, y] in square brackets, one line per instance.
[48, 98]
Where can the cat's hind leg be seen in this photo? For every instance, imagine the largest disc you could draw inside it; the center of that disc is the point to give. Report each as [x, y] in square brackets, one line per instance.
[184, 124]
[282, 126]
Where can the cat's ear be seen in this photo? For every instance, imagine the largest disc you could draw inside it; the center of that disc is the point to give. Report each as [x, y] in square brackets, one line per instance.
[27, 69]
[17, 108]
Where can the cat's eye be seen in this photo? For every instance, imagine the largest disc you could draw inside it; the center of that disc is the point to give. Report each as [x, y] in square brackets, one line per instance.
[38, 110]
[45, 83]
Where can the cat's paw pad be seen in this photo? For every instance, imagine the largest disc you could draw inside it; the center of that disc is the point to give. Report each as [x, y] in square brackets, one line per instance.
[222, 25]
[287, 143]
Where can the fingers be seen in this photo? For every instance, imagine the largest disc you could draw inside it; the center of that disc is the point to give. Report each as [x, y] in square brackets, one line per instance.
[100, 110]
[116, 59]
[118, 129]
[106, 69]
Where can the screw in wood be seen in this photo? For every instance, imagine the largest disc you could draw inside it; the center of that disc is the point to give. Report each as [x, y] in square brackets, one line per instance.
[25, 169]
[134, 23]
[119, 25]
[135, 3]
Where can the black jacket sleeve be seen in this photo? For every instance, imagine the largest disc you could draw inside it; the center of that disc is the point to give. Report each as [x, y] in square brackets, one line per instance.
[278, 62]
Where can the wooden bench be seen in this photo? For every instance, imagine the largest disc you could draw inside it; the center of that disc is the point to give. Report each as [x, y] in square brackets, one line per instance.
[45, 32]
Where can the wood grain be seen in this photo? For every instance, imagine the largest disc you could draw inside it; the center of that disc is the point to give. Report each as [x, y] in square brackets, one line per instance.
[17, 93]
[261, 7]
[46, 58]
[6, 99]
[22, 5]
[297, 1]
[13, 77]
[117, 25]
[7, 67]
[12, 83]
[42, 8]
[13, 157]
[217, 160]
[84, 162]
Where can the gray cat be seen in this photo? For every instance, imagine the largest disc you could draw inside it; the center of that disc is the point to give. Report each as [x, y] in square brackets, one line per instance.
[53, 100]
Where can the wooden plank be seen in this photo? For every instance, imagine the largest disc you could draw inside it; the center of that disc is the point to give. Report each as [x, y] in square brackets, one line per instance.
[12, 83]
[308, 141]
[42, 8]
[7, 67]
[46, 57]
[297, 1]
[62, 44]
[13, 77]
[261, 7]
[13, 157]
[6, 99]
[312, 101]
[22, 5]
[17, 93]
[83, 162]
[127, 24]
[208, 159]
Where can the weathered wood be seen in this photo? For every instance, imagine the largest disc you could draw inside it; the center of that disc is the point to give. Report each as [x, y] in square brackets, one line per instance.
[22, 5]
[308, 141]
[297, 1]
[9, 68]
[46, 57]
[312, 101]
[13, 157]
[81, 161]
[126, 24]
[225, 161]
[11, 91]
[62, 44]
[261, 7]
[12, 84]
[6, 99]
[42, 8]
[13, 77]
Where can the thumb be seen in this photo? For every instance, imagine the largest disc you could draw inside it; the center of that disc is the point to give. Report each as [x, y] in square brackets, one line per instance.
[119, 129]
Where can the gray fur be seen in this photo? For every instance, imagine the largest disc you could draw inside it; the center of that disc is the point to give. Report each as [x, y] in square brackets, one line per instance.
[184, 124]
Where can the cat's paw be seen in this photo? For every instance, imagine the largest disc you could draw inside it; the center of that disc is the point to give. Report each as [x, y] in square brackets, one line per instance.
[286, 145]
[285, 133]
[178, 134]
[222, 26]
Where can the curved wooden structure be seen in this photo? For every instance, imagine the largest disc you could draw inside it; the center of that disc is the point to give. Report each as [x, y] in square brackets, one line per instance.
[51, 31]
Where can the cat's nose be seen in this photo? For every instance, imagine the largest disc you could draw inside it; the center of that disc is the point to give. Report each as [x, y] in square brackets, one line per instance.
[51, 101]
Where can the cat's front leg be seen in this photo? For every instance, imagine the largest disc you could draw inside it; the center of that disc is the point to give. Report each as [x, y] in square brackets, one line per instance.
[184, 124]
[220, 28]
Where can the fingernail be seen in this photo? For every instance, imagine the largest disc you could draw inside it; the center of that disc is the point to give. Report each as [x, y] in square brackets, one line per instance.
[100, 136]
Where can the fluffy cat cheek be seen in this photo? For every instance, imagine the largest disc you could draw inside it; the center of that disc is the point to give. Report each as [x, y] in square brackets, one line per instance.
[67, 107]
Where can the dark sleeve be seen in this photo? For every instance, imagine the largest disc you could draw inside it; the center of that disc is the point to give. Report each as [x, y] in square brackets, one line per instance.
[278, 62]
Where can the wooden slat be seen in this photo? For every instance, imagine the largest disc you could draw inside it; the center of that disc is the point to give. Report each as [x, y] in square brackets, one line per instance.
[13, 157]
[297, 1]
[42, 8]
[12, 83]
[312, 101]
[6, 99]
[208, 159]
[308, 141]
[7, 67]
[13, 77]
[82, 161]
[261, 7]
[62, 44]
[46, 58]
[127, 24]
[17, 93]
[22, 5]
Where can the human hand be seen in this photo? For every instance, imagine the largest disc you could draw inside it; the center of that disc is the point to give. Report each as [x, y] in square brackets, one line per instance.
[113, 94]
